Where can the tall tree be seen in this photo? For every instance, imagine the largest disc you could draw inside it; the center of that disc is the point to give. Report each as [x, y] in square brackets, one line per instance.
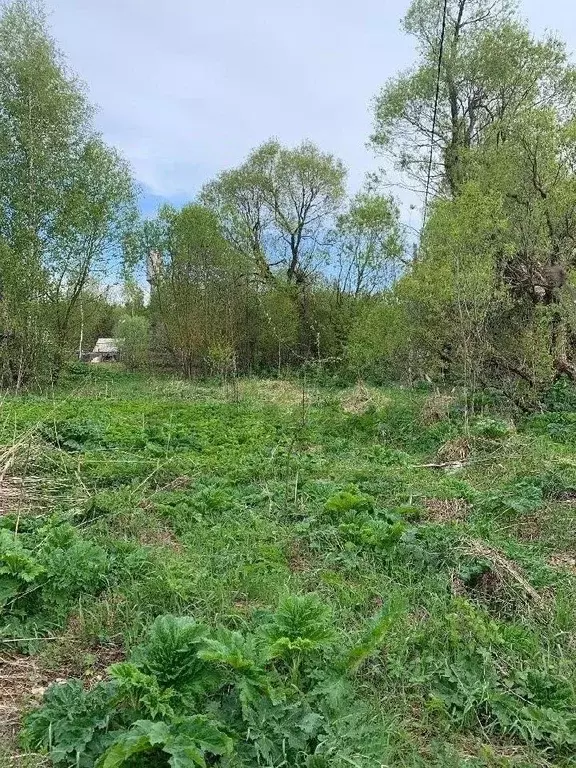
[197, 300]
[303, 189]
[277, 209]
[63, 194]
[238, 199]
[277, 205]
[492, 69]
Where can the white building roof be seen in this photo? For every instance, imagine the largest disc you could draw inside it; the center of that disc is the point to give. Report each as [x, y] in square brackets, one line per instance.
[106, 346]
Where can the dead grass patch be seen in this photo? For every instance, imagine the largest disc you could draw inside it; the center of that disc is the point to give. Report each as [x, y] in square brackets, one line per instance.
[178, 484]
[563, 562]
[22, 683]
[436, 408]
[160, 537]
[18, 496]
[276, 391]
[445, 510]
[299, 557]
[361, 398]
[455, 449]
[501, 586]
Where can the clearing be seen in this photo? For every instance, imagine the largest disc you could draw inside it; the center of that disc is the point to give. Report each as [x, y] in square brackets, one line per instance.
[443, 551]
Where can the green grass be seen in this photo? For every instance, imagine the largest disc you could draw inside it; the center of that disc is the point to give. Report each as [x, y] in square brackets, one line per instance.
[449, 590]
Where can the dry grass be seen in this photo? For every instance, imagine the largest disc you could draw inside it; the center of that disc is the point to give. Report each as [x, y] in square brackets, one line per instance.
[436, 408]
[446, 510]
[276, 391]
[361, 398]
[455, 449]
[22, 683]
[160, 537]
[503, 582]
[21, 495]
[564, 562]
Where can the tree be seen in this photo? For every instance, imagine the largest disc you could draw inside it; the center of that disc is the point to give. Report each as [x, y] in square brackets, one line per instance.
[133, 334]
[63, 193]
[237, 197]
[277, 209]
[492, 71]
[369, 245]
[197, 299]
[303, 189]
[276, 206]
[96, 209]
[488, 300]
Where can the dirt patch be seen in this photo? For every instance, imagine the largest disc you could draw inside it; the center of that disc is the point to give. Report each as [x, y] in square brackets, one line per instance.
[22, 683]
[500, 585]
[299, 557]
[184, 481]
[160, 537]
[445, 510]
[24, 679]
[564, 562]
[568, 497]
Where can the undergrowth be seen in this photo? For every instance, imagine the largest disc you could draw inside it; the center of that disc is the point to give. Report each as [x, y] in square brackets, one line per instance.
[290, 583]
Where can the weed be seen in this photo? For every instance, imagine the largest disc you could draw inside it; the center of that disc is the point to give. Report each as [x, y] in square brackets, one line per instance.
[186, 534]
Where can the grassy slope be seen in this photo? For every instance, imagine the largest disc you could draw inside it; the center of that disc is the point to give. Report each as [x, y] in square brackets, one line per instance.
[212, 502]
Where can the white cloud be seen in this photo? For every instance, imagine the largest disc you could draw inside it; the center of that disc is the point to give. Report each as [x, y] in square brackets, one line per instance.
[188, 87]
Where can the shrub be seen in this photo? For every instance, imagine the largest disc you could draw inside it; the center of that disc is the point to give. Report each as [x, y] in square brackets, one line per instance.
[195, 694]
[43, 571]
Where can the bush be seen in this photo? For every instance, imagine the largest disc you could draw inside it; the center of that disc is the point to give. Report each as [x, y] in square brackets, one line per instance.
[196, 693]
[133, 333]
[44, 571]
[561, 396]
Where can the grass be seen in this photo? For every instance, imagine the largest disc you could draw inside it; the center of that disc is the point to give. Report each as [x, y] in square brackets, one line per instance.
[132, 497]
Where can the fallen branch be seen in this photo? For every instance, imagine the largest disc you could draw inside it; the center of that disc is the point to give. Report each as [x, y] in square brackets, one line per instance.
[441, 465]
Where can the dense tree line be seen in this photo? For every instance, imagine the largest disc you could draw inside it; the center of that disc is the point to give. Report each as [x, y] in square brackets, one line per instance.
[489, 299]
[273, 265]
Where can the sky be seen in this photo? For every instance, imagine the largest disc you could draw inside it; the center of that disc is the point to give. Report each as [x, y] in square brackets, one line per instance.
[186, 88]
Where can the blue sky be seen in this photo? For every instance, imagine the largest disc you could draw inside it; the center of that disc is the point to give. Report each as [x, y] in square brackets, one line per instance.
[186, 88]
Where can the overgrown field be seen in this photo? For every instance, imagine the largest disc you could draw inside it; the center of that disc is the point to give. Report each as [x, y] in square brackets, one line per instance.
[283, 574]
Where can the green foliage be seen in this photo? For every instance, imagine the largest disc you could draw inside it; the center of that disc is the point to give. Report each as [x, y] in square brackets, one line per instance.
[249, 709]
[72, 723]
[423, 627]
[301, 624]
[66, 199]
[517, 498]
[43, 572]
[347, 501]
[188, 741]
[479, 677]
[561, 396]
[489, 427]
[18, 567]
[133, 332]
[169, 652]
[73, 434]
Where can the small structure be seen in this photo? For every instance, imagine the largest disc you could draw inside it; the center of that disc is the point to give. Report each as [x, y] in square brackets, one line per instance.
[105, 351]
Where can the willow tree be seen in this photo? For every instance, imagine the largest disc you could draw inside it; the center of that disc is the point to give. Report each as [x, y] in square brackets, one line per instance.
[277, 209]
[492, 70]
